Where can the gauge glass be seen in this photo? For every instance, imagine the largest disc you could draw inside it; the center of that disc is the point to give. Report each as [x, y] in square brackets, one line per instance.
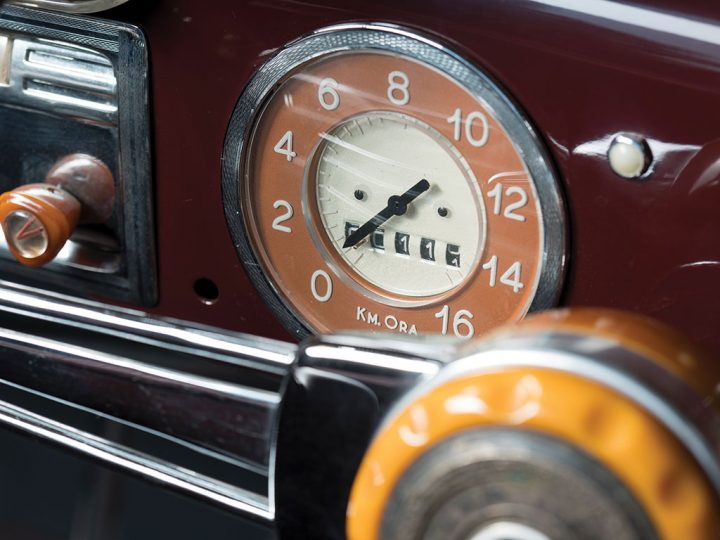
[364, 162]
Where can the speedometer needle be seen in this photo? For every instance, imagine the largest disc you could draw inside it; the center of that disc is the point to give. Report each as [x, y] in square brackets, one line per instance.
[397, 205]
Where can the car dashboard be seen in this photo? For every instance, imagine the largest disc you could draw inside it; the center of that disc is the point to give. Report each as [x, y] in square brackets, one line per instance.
[364, 270]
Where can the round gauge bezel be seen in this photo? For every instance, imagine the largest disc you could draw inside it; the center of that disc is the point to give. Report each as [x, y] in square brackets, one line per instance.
[386, 38]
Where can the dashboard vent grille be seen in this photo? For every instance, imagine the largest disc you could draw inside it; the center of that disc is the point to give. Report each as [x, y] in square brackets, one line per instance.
[58, 78]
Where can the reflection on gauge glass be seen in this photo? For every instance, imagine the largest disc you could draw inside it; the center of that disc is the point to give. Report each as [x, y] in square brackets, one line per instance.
[387, 185]
[360, 166]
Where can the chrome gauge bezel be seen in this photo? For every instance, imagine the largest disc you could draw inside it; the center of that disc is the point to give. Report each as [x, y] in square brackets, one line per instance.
[389, 39]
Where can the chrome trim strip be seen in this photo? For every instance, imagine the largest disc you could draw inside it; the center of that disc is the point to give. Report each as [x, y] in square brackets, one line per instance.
[213, 416]
[371, 359]
[140, 464]
[60, 78]
[136, 370]
[70, 365]
[69, 6]
[248, 351]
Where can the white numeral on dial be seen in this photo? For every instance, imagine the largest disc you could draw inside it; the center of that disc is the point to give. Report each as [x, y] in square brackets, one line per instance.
[471, 119]
[398, 84]
[328, 94]
[285, 146]
[328, 285]
[462, 327]
[511, 276]
[492, 266]
[497, 194]
[282, 218]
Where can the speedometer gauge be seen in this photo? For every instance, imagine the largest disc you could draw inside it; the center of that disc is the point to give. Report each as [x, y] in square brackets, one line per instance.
[374, 180]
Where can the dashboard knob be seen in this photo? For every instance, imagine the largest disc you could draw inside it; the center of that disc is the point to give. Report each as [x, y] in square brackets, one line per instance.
[90, 181]
[574, 423]
[37, 220]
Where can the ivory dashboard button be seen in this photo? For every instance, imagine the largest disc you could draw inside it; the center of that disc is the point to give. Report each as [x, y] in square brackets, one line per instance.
[629, 155]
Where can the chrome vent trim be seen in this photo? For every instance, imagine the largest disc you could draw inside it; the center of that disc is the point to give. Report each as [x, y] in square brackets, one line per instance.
[58, 78]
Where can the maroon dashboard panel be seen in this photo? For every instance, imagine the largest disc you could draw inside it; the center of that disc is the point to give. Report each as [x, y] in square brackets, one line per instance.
[648, 246]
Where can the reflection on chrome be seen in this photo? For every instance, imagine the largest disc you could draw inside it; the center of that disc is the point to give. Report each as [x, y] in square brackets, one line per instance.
[649, 19]
[367, 358]
[69, 6]
[272, 355]
[141, 464]
[660, 149]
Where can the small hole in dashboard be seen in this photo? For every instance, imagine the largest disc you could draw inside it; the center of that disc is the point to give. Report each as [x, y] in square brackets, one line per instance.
[206, 290]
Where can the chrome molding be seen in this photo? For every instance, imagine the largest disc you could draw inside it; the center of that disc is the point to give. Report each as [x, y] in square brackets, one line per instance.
[221, 420]
[229, 419]
[58, 78]
[266, 355]
[142, 465]
[69, 6]
[210, 415]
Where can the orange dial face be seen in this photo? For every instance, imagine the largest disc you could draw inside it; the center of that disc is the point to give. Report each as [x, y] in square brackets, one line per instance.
[381, 193]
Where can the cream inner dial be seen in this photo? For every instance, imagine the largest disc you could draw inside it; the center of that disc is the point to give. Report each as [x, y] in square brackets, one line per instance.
[433, 245]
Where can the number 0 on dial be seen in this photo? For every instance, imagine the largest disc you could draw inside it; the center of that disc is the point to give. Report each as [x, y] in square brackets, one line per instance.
[387, 185]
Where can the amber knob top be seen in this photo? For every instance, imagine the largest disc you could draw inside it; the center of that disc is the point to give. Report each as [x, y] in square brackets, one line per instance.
[37, 220]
